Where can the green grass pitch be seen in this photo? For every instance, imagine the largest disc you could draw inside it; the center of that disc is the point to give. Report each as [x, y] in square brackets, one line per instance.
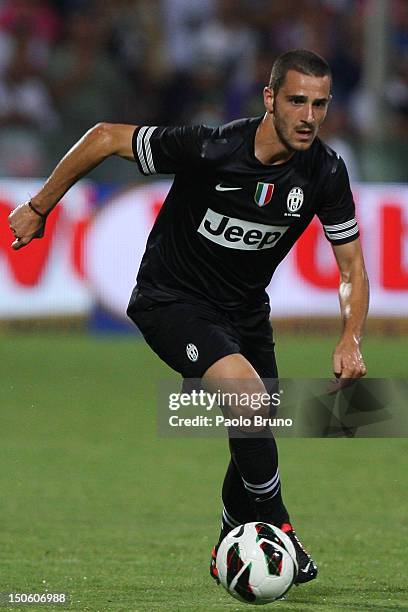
[94, 504]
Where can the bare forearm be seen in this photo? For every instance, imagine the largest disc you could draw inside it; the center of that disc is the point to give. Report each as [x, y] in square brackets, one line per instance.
[95, 146]
[348, 361]
[27, 221]
[354, 299]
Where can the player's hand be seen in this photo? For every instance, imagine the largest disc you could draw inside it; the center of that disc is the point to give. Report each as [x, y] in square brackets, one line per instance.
[348, 361]
[25, 225]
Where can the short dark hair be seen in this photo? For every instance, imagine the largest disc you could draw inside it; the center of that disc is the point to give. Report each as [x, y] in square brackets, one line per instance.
[301, 60]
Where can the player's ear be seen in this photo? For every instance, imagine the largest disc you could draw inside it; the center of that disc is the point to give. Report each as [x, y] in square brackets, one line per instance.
[268, 99]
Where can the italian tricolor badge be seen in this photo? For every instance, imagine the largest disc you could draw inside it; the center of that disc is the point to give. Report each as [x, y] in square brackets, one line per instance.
[263, 193]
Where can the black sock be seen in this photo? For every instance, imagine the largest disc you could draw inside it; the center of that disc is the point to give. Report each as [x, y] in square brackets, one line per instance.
[238, 507]
[256, 460]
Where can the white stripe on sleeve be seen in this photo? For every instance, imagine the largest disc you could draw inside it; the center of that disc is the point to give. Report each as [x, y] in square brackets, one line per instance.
[145, 154]
[342, 235]
[340, 226]
[149, 149]
[140, 153]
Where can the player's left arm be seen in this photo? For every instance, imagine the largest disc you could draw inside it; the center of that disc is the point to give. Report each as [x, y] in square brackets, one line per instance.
[348, 361]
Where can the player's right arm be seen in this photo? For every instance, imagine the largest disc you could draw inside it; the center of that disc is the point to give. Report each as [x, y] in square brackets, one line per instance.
[103, 140]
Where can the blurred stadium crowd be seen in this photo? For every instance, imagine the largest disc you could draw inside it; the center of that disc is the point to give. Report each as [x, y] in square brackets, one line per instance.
[67, 64]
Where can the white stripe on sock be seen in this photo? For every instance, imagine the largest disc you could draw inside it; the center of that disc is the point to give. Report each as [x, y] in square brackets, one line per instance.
[229, 519]
[261, 488]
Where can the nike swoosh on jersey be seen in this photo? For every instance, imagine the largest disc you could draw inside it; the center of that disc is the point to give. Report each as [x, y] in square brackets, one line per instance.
[219, 187]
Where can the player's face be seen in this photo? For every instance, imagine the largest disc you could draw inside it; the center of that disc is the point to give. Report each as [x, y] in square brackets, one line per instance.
[299, 109]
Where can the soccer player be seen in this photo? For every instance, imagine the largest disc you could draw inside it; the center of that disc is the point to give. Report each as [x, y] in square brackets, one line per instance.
[242, 195]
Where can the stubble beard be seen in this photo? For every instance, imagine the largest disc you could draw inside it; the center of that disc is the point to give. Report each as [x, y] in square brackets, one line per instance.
[281, 131]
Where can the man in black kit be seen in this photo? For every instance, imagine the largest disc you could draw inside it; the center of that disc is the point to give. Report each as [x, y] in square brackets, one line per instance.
[242, 195]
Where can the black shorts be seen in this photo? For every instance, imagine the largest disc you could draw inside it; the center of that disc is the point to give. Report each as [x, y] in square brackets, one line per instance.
[190, 336]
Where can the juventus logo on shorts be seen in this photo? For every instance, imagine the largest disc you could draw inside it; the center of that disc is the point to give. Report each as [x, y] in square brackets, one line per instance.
[192, 351]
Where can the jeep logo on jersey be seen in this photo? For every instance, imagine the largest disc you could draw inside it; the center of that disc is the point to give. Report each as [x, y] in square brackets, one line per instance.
[295, 199]
[238, 234]
[263, 193]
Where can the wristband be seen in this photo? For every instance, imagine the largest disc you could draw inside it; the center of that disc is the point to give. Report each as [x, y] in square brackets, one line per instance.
[37, 212]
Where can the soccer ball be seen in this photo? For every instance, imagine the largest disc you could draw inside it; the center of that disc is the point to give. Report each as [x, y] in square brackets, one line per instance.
[256, 563]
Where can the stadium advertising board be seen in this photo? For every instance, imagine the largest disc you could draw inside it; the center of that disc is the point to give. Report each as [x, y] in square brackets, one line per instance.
[87, 259]
[46, 278]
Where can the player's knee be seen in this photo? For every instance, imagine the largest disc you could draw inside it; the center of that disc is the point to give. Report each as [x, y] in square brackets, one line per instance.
[252, 401]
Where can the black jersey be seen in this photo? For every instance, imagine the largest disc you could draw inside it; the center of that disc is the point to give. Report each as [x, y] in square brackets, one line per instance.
[228, 219]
